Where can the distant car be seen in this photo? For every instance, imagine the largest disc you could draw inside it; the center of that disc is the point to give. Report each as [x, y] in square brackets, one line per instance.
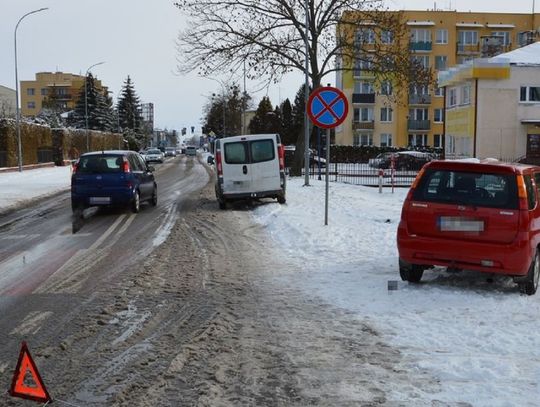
[154, 155]
[406, 160]
[170, 152]
[313, 159]
[112, 178]
[481, 215]
[191, 150]
[375, 162]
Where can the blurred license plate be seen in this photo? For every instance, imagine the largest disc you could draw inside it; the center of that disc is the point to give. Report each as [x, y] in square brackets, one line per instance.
[460, 224]
[100, 200]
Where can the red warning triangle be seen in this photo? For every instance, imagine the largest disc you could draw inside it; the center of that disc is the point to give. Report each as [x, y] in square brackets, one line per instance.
[27, 383]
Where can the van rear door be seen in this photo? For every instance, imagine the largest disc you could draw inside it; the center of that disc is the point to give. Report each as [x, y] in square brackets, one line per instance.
[265, 174]
[236, 172]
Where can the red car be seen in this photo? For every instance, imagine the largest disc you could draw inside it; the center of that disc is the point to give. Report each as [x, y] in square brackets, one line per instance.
[474, 215]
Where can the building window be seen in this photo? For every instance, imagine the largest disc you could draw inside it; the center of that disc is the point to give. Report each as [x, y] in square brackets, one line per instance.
[387, 37]
[438, 115]
[31, 105]
[418, 140]
[452, 97]
[420, 35]
[30, 91]
[439, 91]
[441, 36]
[386, 140]
[438, 140]
[464, 59]
[503, 35]
[440, 62]
[386, 88]
[386, 114]
[44, 91]
[529, 94]
[363, 114]
[466, 37]
[422, 60]
[61, 91]
[419, 114]
[365, 36]
[419, 90]
[466, 95]
[363, 87]
[363, 139]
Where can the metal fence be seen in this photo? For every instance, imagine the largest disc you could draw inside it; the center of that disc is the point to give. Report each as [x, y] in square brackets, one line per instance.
[363, 174]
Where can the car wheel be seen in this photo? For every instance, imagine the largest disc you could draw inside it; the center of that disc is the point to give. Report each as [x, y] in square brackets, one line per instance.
[530, 285]
[410, 272]
[222, 204]
[281, 199]
[136, 203]
[154, 196]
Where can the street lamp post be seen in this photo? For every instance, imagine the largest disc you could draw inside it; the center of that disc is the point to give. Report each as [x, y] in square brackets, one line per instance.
[86, 103]
[18, 110]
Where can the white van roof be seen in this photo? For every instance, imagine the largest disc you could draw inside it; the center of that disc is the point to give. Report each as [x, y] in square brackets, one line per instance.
[248, 136]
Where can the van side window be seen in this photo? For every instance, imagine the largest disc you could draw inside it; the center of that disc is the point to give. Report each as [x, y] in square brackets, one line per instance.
[262, 150]
[531, 193]
[236, 153]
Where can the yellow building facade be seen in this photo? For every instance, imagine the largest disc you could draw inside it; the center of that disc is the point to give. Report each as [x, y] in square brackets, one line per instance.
[439, 40]
[64, 87]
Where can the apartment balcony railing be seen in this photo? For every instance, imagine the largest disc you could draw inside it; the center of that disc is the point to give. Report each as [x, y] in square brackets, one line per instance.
[467, 49]
[363, 73]
[419, 99]
[370, 125]
[425, 46]
[418, 124]
[363, 97]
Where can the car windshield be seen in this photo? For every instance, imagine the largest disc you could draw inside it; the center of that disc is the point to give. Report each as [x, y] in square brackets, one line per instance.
[100, 164]
[153, 152]
[468, 188]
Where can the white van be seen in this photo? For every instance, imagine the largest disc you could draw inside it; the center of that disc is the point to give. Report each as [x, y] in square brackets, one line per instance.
[251, 166]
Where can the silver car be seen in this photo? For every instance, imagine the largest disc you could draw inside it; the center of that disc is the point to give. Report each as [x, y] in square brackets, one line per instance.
[154, 155]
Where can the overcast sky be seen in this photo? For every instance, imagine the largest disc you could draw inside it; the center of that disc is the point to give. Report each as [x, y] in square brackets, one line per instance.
[137, 38]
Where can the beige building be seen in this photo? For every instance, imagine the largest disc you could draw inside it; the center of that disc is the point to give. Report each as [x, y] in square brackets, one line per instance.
[439, 40]
[63, 88]
[493, 106]
[8, 102]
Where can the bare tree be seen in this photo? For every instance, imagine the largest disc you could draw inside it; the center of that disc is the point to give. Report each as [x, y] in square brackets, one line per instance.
[270, 37]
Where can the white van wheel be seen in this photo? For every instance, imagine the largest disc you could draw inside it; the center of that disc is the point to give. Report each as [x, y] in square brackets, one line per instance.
[222, 204]
[281, 199]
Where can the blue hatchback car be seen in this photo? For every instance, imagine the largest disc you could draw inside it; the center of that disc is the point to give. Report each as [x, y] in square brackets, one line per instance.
[112, 178]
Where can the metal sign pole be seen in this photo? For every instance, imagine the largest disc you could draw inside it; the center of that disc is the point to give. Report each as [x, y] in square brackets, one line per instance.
[327, 176]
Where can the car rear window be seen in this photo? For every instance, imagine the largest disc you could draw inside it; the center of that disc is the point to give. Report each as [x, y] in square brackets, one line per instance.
[100, 164]
[468, 188]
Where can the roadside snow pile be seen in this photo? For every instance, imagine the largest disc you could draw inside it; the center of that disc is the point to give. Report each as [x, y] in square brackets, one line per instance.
[478, 337]
[21, 187]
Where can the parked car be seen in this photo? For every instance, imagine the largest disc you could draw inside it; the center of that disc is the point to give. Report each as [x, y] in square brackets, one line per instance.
[249, 167]
[191, 150]
[112, 178]
[170, 151]
[154, 155]
[313, 158]
[375, 162]
[482, 216]
[405, 160]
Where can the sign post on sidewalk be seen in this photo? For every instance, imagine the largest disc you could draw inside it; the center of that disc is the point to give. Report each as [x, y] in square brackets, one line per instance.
[327, 108]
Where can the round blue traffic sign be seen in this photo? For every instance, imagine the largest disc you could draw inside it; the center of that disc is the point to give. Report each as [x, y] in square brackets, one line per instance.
[327, 107]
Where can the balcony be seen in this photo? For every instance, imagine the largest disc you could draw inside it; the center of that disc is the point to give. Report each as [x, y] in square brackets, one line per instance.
[363, 98]
[419, 99]
[422, 46]
[363, 73]
[370, 125]
[418, 124]
[467, 49]
[66, 96]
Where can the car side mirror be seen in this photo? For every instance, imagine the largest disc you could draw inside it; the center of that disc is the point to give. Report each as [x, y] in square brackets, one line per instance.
[210, 160]
[151, 168]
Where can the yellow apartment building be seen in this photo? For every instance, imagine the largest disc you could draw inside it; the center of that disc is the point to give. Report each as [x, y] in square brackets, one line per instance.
[438, 39]
[64, 87]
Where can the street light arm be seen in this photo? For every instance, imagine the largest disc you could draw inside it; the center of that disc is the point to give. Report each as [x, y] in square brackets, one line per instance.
[27, 14]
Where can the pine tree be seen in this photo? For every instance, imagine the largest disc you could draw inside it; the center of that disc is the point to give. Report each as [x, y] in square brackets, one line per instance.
[129, 107]
[97, 104]
[289, 132]
[266, 119]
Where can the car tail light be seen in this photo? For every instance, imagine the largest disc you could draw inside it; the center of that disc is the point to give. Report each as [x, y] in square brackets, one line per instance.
[281, 153]
[218, 163]
[74, 167]
[522, 193]
[125, 165]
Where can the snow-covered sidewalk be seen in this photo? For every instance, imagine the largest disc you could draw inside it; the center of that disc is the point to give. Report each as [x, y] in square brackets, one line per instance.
[18, 188]
[480, 339]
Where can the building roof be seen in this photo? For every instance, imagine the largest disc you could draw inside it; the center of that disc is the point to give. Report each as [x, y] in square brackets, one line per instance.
[528, 55]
